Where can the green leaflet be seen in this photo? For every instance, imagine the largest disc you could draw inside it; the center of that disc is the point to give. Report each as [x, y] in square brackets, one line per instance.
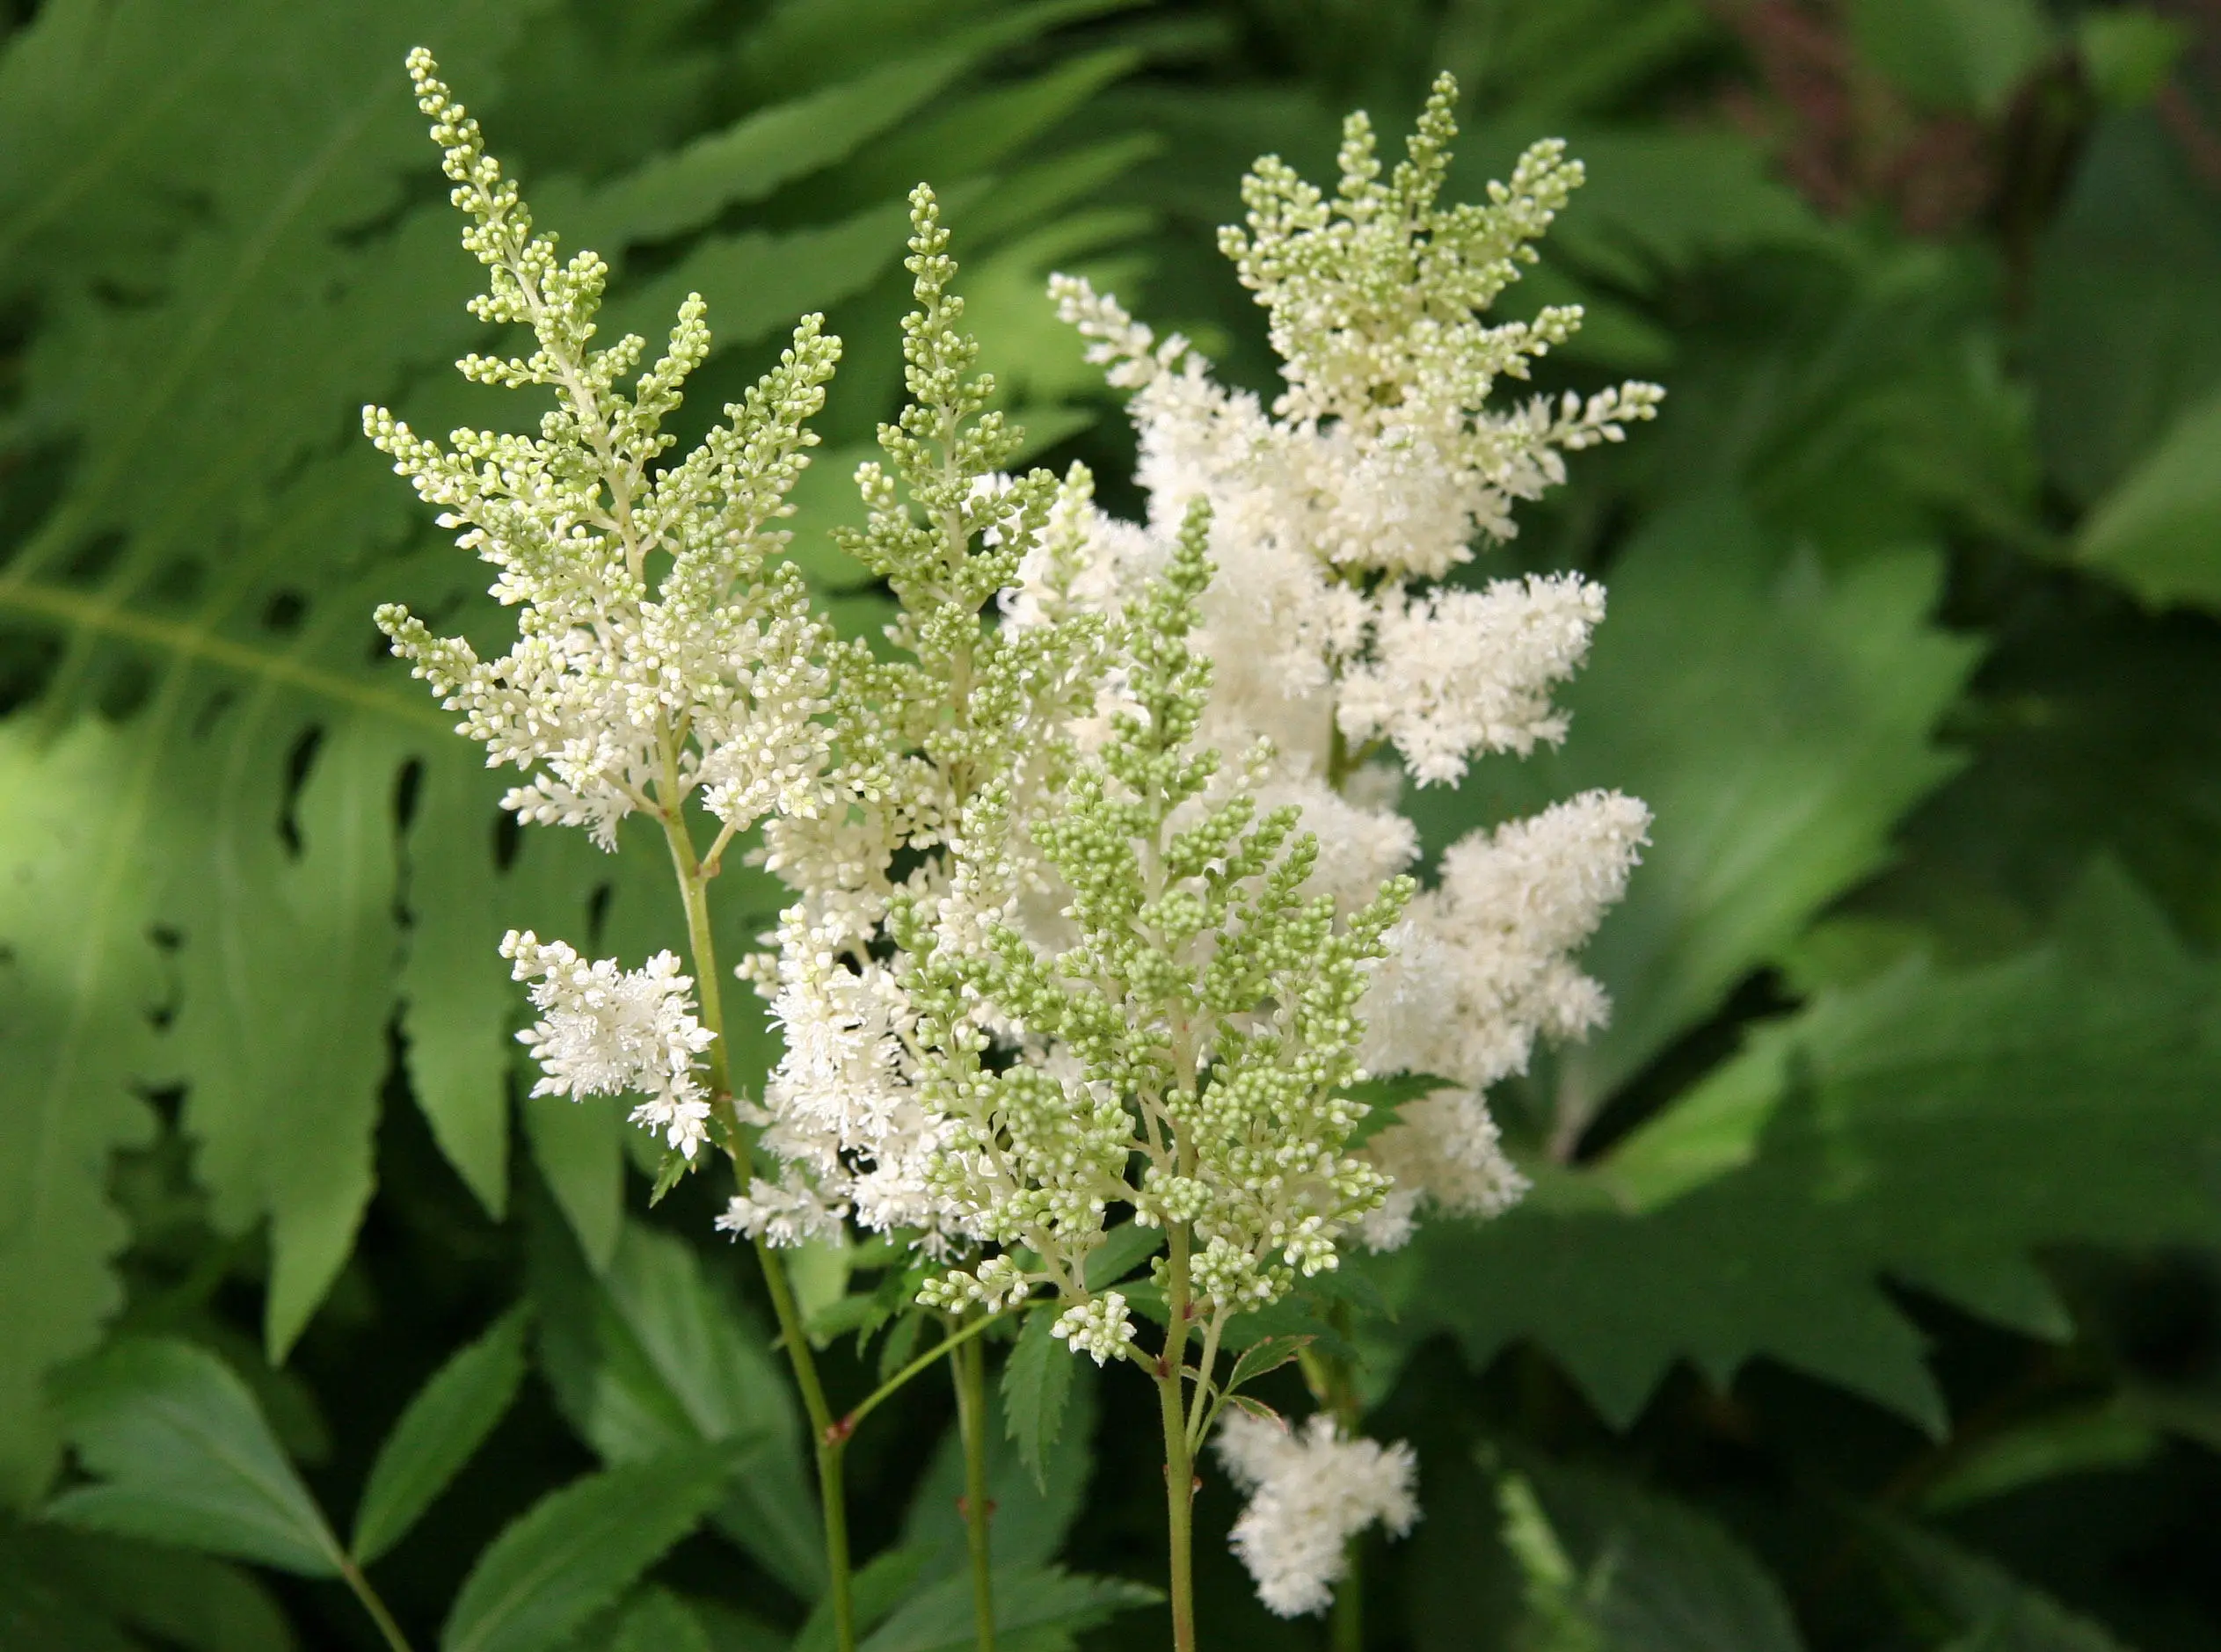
[2123, 334]
[1776, 719]
[187, 1459]
[1932, 1125]
[71, 1591]
[1994, 1611]
[577, 1549]
[1042, 1609]
[880, 1584]
[655, 1356]
[1970, 55]
[1614, 1568]
[75, 993]
[446, 1422]
[2159, 532]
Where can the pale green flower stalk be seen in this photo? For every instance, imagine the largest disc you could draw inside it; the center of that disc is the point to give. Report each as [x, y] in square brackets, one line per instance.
[1389, 460]
[663, 658]
[1185, 1050]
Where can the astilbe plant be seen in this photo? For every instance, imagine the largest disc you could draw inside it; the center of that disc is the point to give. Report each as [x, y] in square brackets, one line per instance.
[1102, 918]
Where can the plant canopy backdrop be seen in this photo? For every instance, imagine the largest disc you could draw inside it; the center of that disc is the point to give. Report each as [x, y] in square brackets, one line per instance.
[1868, 1293]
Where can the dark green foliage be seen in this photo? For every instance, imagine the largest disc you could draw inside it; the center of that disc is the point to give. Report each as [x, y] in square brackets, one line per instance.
[579, 1548]
[1871, 1294]
[448, 1419]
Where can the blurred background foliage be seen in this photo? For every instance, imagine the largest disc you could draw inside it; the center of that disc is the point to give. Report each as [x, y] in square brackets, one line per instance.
[1870, 1295]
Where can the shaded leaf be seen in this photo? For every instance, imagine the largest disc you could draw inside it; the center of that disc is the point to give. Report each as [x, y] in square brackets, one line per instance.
[1037, 1379]
[1776, 761]
[68, 1591]
[75, 980]
[1042, 1609]
[1645, 1573]
[577, 1549]
[444, 1425]
[1995, 1611]
[185, 1458]
[655, 1357]
[1930, 1124]
[1264, 1356]
[2159, 532]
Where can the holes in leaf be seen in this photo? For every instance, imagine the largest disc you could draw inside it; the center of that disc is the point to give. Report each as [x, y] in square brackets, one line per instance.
[298, 762]
[177, 583]
[125, 683]
[283, 612]
[408, 790]
[93, 556]
[508, 838]
[167, 942]
[597, 914]
[27, 658]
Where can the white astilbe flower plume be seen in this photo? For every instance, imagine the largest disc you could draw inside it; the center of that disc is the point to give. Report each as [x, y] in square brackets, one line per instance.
[626, 691]
[1338, 514]
[1310, 1492]
[604, 1031]
[664, 654]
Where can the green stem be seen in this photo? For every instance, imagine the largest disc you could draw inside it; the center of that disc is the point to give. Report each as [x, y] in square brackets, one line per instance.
[1347, 1634]
[885, 1390]
[968, 1365]
[376, 1607]
[1179, 1507]
[826, 1439]
[1179, 1457]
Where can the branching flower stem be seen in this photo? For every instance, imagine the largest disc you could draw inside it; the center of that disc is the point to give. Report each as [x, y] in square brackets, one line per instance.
[968, 1366]
[828, 1436]
[389, 1630]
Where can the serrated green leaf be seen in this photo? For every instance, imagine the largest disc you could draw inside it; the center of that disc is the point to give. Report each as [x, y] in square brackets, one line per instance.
[2159, 532]
[1932, 1125]
[1045, 1609]
[1776, 762]
[1267, 1354]
[880, 1585]
[1648, 1574]
[2086, 1440]
[656, 1620]
[1995, 1611]
[2124, 335]
[76, 984]
[656, 1356]
[455, 1008]
[442, 1429]
[1037, 1380]
[71, 1591]
[185, 1458]
[577, 1549]
[579, 1148]
[1386, 1096]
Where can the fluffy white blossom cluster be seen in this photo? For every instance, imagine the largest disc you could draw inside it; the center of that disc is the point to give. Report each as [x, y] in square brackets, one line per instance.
[608, 1032]
[957, 705]
[1184, 1048]
[1340, 516]
[1311, 1490]
[661, 656]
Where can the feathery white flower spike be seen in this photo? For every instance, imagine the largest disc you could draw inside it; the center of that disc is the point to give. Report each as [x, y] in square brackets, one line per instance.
[1310, 1492]
[605, 1030]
